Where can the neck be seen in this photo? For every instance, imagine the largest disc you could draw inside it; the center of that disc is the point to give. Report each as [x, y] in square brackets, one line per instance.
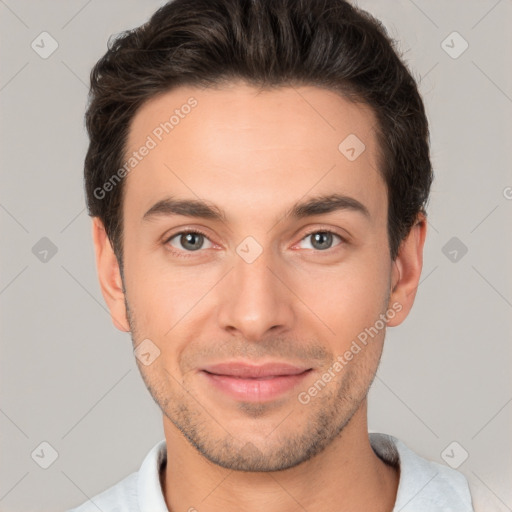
[347, 475]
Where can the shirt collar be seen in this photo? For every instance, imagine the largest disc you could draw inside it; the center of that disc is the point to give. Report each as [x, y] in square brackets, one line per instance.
[416, 473]
[149, 490]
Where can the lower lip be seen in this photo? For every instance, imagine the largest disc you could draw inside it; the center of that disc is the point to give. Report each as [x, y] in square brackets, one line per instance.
[255, 390]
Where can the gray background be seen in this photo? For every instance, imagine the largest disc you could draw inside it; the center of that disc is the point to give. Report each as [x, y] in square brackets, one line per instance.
[68, 377]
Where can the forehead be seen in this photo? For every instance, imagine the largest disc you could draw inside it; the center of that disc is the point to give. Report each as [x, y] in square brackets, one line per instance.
[251, 148]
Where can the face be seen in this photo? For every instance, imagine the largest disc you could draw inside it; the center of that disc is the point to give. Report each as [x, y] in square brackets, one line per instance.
[255, 255]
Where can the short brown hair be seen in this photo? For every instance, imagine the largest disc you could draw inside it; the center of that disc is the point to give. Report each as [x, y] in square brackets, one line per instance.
[326, 43]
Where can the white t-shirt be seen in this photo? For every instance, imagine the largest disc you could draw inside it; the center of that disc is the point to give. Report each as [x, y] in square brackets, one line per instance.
[424, 486]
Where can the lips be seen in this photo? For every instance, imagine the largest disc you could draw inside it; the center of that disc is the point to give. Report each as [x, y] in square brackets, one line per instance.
[254, 383]
[247, 371]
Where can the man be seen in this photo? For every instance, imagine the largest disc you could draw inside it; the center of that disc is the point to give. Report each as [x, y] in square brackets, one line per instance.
[257, 177]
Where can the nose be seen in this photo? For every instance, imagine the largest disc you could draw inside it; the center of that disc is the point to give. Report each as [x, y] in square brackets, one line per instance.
[255, 299]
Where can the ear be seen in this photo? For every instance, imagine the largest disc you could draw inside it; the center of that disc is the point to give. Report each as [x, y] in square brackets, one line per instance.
[406, 271]
[109, 276]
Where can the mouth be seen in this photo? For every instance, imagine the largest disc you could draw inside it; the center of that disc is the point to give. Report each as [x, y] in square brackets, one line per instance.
[254, 383]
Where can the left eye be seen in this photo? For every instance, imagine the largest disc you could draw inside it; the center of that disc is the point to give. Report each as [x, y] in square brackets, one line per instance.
[321, 240]
[189, 240]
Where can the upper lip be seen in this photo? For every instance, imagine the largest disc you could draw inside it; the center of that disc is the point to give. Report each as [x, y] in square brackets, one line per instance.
[246, 370]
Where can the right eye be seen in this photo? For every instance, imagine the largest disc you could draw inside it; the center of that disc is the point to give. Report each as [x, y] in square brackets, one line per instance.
[188, 241]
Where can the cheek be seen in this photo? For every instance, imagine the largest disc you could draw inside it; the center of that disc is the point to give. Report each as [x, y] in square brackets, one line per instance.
[348, 298]
[164, 297]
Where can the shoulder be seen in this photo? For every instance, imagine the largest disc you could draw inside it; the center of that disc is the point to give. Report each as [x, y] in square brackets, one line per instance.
[138, 492]
[424, 485]
[121, 497]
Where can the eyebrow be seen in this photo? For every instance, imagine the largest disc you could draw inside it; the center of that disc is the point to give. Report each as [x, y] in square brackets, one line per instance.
[197, 208]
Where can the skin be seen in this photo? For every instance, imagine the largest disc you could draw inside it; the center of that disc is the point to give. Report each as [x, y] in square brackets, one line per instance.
[254, 154]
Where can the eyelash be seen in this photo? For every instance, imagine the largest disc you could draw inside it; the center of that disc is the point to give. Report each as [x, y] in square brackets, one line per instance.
[188, 254]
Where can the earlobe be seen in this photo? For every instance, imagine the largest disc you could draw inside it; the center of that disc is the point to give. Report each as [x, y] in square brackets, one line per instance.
[407, 269]
[109, 276]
